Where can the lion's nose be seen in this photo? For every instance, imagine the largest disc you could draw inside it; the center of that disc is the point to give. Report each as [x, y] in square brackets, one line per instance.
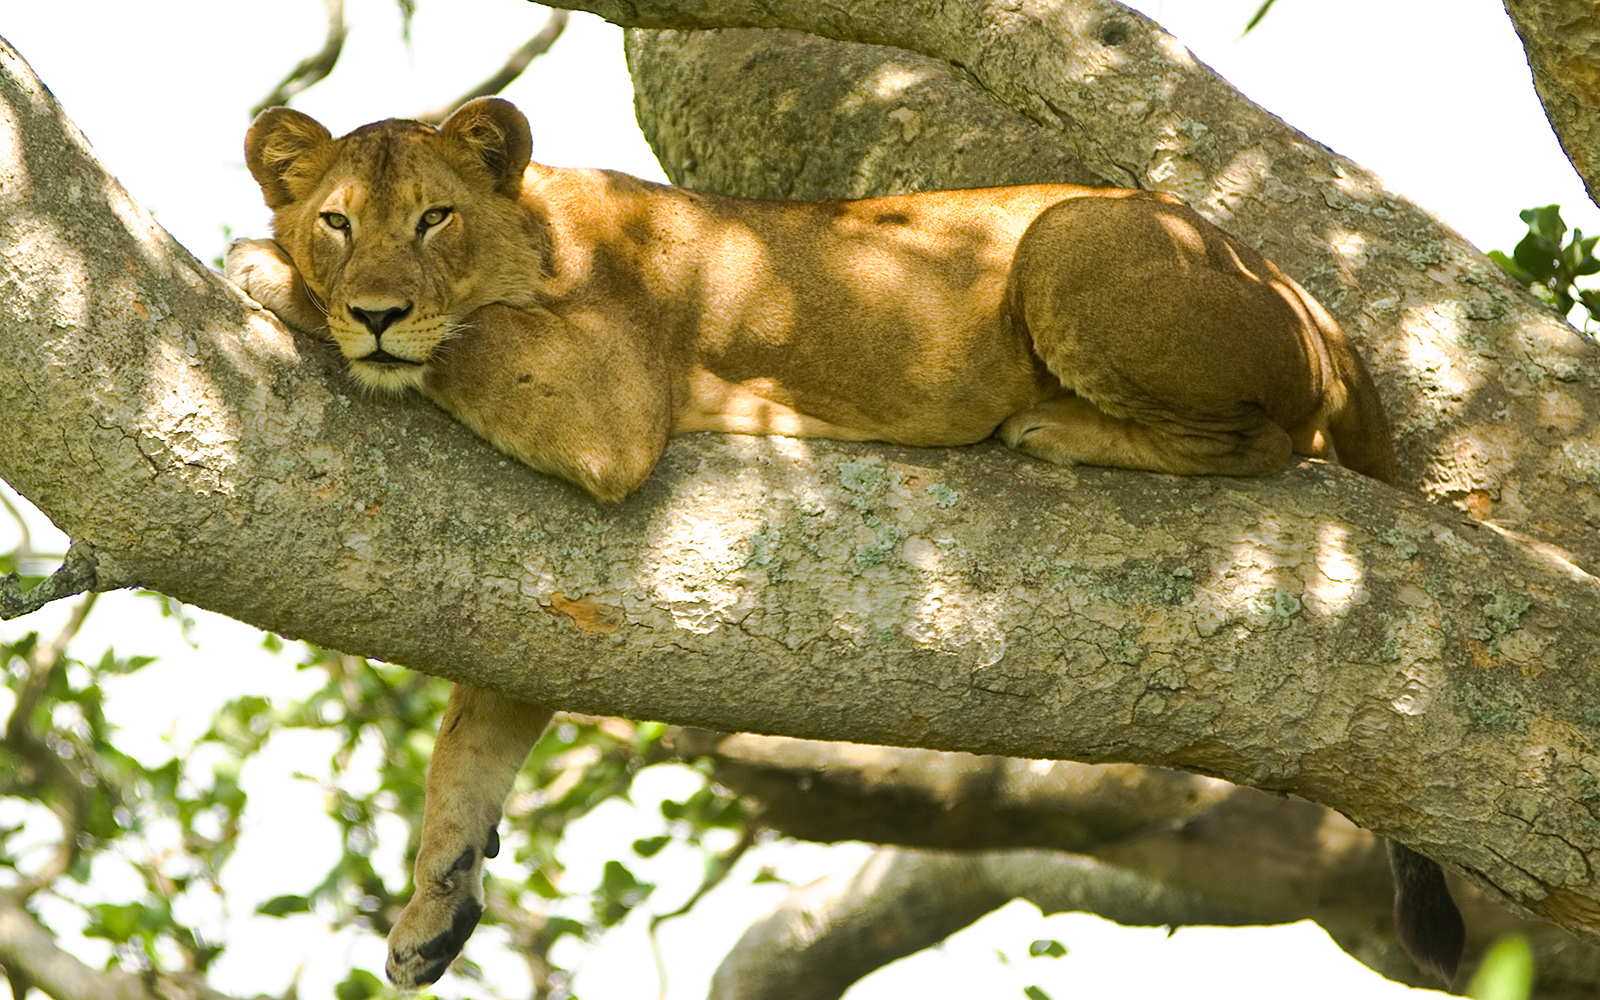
[379, 320]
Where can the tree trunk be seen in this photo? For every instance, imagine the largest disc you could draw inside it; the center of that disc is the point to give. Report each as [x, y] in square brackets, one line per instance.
[1312, 632]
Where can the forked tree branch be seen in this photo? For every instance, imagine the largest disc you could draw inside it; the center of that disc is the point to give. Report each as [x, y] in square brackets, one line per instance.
[1311, 632]
[1262, 858]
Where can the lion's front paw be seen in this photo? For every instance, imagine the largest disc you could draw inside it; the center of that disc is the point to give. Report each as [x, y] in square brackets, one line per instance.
[264, 272]
[255, 266]
[437, 922]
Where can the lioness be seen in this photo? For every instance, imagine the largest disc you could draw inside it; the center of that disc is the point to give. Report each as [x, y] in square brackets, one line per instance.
[578, 319]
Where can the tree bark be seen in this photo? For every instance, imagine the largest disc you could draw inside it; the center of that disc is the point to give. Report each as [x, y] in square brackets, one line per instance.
[1259, 858]
[1312, 632]
[826, 935]
[1491, 394]
[1562, 39]
[719, 126]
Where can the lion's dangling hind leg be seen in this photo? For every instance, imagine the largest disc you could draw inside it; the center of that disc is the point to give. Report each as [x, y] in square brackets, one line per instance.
[1180, 349]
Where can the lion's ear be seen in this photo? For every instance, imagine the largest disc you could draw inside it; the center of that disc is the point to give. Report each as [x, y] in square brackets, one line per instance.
[276, 144]
[496, 134]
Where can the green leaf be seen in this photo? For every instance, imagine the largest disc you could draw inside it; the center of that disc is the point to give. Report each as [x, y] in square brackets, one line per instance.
[1546, 221]
[1261, 12]
[111, 665]
[359, 985]
[408, 10]
[1591, 302]
[649, 847]
[1579, 255]
[1035, 993]
[281, 906]
[1045, 948]
[619, 893]
[117, 922]
[1507, 971]
[1538, 256]
[539, 882]
[555, 927]
[1511, 267]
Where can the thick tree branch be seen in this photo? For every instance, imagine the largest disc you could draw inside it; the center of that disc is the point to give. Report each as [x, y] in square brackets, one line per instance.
[1562, 39]
[1467, 362]
[1311, 632]
[832, 120]
[922, 798]
[1267, 858]
[825, 936]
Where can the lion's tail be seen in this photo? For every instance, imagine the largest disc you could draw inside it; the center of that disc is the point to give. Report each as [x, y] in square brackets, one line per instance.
[1360, 429]
[1352, 409]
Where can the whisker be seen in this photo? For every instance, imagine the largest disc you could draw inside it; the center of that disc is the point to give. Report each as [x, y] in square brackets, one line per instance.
[315, 301]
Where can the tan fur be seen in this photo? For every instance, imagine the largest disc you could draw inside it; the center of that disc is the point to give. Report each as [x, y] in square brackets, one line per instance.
[580, 318]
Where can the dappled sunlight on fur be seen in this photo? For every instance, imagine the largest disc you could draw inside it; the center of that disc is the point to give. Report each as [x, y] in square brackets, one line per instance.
[577, 319]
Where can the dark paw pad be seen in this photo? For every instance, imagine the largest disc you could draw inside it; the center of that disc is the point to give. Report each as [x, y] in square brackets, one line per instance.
[433, 957]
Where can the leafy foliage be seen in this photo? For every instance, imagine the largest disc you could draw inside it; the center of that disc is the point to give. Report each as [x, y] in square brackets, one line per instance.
[1551, 267]
[73, 801]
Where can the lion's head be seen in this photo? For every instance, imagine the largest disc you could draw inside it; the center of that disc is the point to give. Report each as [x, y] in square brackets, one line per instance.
[400, 230]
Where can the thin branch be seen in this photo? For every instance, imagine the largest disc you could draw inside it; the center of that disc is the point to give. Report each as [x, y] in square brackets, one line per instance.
[70, 802]
[715, 876]
[518, 61]
[313, 69]
[24, 536]
[78, 573]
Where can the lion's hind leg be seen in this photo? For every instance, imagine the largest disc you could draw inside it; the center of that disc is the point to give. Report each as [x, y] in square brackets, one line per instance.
[484, 739]
[1069, 429]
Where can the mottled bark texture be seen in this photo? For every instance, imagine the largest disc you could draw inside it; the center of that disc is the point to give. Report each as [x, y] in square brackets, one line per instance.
[1492, 396]
[724, 109]
[1424, 673]
[1562, 39]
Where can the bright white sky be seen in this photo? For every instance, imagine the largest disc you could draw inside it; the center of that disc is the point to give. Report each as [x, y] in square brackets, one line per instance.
[1432, 94]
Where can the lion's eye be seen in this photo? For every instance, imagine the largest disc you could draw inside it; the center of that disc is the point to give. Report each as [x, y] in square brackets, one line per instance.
[334, 220]
[433, 217]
